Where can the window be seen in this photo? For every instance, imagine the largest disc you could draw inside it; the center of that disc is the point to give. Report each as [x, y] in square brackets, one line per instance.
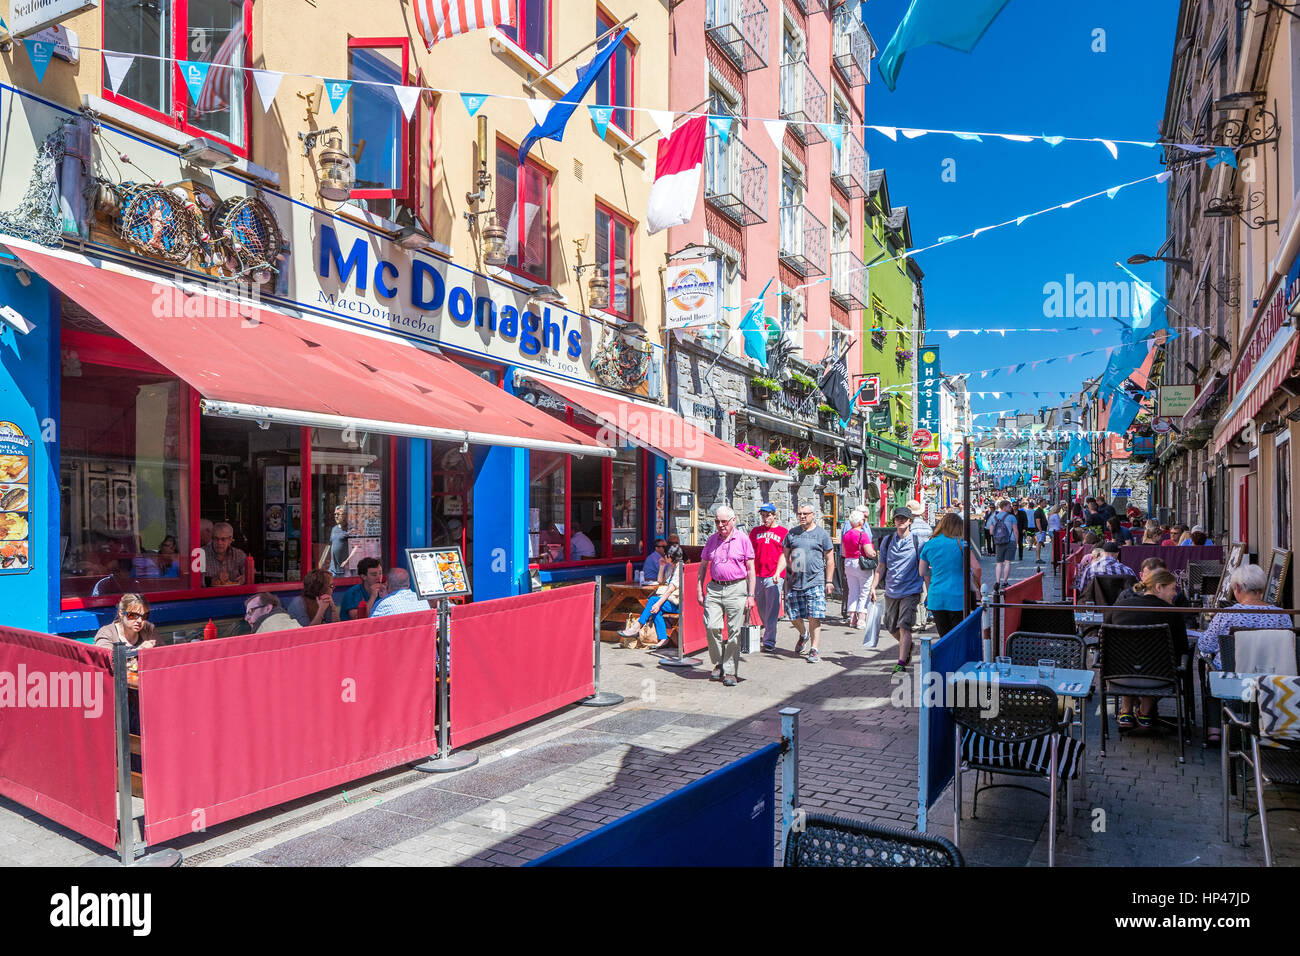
[348, 471]
[625, 503]
[614, 253]
[1282, 466]
[533, 35]
[840, 157]
[586, 508]
[547, 492]
[614, 86]
[721, 173]
[202, 31]
[123, 479]
[526, 188]
[377, 125]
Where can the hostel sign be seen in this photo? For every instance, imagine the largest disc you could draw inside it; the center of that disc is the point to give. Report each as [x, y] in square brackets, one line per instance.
[928, 383]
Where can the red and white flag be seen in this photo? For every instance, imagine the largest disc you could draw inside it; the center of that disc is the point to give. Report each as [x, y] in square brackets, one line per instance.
[677, 176]
[441, 19]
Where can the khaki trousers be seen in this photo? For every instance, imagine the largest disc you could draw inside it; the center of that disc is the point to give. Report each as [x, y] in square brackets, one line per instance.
[727, 598]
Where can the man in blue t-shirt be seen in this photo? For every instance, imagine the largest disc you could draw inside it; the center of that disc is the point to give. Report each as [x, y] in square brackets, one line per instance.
[899, 567]
[650, 570]
[369, 589]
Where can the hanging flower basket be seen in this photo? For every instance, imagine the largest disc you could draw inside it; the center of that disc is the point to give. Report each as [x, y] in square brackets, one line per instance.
[763, 388]
[799, 385]
[836, 471]
[810, 465]
[903, 355]
[782, 458]
[753, 451]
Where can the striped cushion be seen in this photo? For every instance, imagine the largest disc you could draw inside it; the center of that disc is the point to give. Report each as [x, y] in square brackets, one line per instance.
[1279, 708]
[1033, 754]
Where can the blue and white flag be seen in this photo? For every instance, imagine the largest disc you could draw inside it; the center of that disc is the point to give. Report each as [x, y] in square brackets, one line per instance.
[195, 75]
[753, 330]
[558, 115]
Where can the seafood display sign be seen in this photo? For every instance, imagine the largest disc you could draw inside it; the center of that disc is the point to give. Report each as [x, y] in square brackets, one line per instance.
[438, 572]
[15, 511]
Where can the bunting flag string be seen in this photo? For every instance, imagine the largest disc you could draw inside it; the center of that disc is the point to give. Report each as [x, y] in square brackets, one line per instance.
[1220, 152]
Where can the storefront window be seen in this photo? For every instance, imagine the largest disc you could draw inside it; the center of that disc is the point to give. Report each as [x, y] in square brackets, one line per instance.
[216, 35]
[625, 504]
[124, 484]
[351, 513]
[546, 518]
[146, 28]
[250, 487]
[377, 124]
[586, 511]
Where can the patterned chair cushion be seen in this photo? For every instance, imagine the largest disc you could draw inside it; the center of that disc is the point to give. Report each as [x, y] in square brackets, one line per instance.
[1034, 755]
[1279, 709]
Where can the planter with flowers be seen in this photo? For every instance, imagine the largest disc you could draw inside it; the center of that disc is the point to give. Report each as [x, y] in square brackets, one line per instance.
[836, 471]
[753, 451]
[799, 385]
[827, 417]
[903, 356]
[809, 466]
[782, 458]
[763, 388]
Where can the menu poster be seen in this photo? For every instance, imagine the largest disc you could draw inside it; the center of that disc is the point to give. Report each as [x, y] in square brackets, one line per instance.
[356, 484]
[293, 484]
[15, 504]
[273, 485]
[365, 519]
[438, 572]
[365, 548]
[372, 490]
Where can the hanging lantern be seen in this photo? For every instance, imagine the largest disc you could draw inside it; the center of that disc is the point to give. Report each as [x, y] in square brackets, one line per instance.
[598, 290]
[494, 244]
[337, 171]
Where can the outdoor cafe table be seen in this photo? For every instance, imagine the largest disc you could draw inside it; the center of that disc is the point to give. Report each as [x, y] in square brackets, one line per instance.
[1229, 686]
[625, 598]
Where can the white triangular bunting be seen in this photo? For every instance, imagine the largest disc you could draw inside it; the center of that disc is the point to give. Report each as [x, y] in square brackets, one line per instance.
[775, 131]
[539, 109]
[117, 65]
[407, 97]
[267, 83]
[889, 131]
[664, 120]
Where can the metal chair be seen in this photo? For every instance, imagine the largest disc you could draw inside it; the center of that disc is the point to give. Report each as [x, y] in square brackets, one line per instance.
[1023, 739]
[1228, 658]
[1199, 571]
[1047, 620]
[1104, 589]
[1140, 660]
[822, 839]
[1274, 731]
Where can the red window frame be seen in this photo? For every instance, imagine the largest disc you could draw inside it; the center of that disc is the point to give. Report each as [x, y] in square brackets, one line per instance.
[615, 219]
[110, 352]
[407, 192]
[425, 200]
[605, 90]
[511, 151]
[180, 99]
[521, 8]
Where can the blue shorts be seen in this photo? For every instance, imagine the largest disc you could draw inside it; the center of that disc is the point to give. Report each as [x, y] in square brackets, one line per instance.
[806, 603]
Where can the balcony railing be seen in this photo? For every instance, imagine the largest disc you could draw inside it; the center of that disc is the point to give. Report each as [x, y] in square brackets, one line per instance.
[853, 49]
[811, 6]
[735, 180]
[849, 167]
[739, 27]
[848, 280]
[803, 101]
[803, 241]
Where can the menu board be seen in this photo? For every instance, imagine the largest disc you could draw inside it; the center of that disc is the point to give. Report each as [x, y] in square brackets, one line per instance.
[438, 572]
[15, 500]
[365, 510]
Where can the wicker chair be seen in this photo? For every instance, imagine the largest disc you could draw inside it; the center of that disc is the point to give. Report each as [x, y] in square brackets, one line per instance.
[1069, 651]
[1274, 746]
[1026, 715]
[1140, 660]
[822, 839]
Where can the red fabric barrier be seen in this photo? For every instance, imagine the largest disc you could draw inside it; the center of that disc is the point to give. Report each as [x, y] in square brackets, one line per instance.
[58, 751]
[517, 658]
[1058, 547]
[1030, 589]
[693, 636]
[1176, 558]
[1071, 569]
[234, 726]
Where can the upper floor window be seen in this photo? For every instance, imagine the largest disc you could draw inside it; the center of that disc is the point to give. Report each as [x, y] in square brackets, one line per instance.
[614, 253]
[533, 35]
[376, 123]
[614, 85]
[202, 31]
[523, 207]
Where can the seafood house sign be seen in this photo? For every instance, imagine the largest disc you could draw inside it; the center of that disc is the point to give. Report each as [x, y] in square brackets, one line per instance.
[440, 302]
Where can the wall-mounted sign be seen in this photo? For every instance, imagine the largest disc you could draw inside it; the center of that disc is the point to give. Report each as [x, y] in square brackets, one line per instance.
[15, 500]
[1175, 400]
[932, 459]
[691, 295]
[1161, 425]
[867, 388]
[32, 16]
[921, 438]
[928, 385]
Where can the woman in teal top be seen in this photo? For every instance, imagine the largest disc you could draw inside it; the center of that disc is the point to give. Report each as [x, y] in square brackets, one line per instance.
[941, 567]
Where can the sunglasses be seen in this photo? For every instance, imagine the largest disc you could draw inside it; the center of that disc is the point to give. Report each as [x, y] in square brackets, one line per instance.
[136, 616]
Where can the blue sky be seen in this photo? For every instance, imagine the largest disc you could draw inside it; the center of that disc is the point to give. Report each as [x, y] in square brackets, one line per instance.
[1034, 72]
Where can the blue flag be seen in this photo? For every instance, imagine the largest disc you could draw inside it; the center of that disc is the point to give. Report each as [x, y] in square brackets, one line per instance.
[753, 330]
[558, 116]
[1124, 361]
[336, 90]
[1122, 412]
[957, 24]
[1147, 310]
[40, 52]
[473, 102]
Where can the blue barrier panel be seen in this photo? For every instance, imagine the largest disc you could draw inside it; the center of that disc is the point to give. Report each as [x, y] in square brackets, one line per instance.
[940, 658]
[723, 819]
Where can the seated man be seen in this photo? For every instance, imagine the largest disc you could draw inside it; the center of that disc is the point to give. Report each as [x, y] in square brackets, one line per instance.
[369, 589]
[650, 570]
[264, 613]
[581, 547]
[1108, 563]
[223, 564]
[400, 599]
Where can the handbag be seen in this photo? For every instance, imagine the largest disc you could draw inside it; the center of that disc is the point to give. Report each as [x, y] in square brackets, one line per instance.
[875, 615]
[865, 563]
[752, 634]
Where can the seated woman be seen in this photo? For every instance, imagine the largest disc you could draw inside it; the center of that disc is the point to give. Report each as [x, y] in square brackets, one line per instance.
[316, 603]
[1151, 534]
[667, 598]
[130, 626]
[1156, 590]
[1118, 532]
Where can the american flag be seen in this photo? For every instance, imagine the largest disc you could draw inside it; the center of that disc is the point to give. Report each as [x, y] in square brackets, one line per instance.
[215, 95]
[440, 19]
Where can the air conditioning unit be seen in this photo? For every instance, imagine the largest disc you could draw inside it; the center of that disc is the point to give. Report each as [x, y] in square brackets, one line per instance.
[1249, 435]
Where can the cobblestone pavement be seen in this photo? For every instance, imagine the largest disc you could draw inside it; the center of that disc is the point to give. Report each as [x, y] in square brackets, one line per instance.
[557, 778]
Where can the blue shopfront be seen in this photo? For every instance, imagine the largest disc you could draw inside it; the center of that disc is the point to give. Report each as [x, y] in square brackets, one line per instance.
[150, 440]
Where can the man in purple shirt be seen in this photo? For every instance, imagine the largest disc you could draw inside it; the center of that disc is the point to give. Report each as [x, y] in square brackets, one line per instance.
[728, 561]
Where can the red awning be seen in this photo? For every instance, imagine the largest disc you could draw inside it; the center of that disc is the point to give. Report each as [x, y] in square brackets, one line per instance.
[258, 364]
[661, 431]
[1273, 368]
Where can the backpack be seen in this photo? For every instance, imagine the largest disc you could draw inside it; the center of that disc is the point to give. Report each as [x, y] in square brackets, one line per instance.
[889, 540]
[1001, 534]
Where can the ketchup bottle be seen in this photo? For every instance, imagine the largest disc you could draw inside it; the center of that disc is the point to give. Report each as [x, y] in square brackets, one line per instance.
[629, 572]
[209, 631]
[363, 609]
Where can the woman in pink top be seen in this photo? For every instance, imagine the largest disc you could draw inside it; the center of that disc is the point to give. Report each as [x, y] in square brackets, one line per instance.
[856, 543]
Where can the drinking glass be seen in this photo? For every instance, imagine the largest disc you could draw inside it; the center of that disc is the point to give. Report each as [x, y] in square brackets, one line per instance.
[1004, 666]
[1046, 667]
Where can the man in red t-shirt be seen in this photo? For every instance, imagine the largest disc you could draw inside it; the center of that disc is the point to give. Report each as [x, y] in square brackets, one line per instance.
[769, 567]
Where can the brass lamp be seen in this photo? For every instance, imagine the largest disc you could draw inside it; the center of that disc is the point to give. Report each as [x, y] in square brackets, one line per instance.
[598, 290]
[337, 171]
[494, 244]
